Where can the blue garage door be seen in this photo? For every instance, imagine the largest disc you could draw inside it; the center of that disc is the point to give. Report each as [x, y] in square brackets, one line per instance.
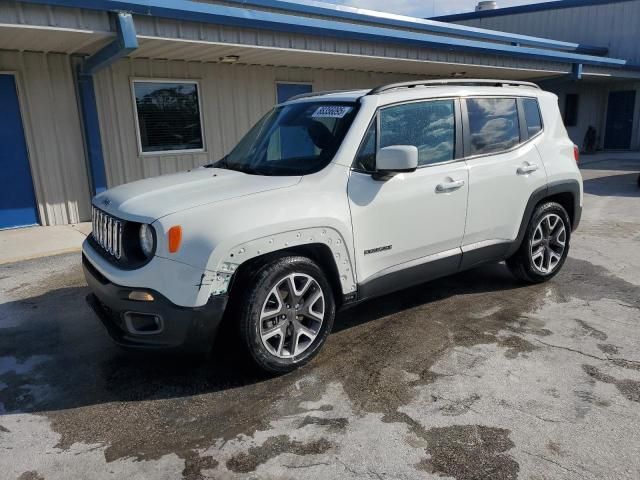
[17, 200]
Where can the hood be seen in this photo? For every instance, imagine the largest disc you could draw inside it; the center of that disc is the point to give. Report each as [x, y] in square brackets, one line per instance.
[152, 198]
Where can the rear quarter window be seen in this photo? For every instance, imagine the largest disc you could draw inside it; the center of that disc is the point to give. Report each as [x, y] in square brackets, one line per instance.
[532, 116]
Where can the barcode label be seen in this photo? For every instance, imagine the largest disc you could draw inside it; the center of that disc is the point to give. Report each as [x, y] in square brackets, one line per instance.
[331, 111]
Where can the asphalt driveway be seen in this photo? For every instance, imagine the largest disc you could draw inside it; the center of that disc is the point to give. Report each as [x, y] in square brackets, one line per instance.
[469, 377]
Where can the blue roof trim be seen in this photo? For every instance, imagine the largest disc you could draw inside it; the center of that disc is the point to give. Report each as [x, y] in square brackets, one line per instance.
[240, 17]
[389, 19]
[534, 7]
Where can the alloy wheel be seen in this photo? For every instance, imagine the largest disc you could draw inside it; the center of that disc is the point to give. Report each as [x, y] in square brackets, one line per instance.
[548, 243]
[292, 315]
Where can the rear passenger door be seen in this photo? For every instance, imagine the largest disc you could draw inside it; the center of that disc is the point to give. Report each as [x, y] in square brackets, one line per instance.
[504, 170]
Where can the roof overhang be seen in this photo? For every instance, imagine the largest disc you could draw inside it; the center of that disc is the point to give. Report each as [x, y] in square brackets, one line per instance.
[426, 55]
[183, 10]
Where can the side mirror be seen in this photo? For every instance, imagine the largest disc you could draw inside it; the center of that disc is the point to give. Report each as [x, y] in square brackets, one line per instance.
[395, 159]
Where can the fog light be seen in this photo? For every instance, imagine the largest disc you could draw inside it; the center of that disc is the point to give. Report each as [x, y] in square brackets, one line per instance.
[140, 296]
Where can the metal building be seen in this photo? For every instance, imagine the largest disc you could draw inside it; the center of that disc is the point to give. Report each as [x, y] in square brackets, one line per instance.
[609, 103]
[96, 93]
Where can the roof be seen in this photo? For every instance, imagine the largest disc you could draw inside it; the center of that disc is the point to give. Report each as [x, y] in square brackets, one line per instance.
[333, 26]
[529, 8]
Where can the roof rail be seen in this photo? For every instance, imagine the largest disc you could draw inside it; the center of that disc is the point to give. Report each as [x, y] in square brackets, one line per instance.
[316, 94]
[465, 82]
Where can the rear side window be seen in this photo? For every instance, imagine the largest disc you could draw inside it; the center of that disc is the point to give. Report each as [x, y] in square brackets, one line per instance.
[429, 126]
[532, 116]
[493, 124]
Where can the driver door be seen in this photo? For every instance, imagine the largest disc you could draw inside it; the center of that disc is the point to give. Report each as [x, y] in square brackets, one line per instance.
[413, 218]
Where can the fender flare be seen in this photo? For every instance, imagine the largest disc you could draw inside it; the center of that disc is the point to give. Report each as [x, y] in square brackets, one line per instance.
[553, 188]
[220, 272]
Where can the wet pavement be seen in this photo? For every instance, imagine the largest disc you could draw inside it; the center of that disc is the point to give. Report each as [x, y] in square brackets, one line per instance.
[469, 377]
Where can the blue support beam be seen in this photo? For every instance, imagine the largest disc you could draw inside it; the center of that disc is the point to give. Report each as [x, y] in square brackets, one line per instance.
[91, 127]
[125, 42]
[576, 71]
[258, 19]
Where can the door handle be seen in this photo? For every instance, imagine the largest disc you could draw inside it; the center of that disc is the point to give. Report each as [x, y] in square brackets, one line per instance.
[449, 186]
[527, 169]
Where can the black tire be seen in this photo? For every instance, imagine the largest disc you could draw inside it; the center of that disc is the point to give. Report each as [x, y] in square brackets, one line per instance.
[521, 263]
[257, 288]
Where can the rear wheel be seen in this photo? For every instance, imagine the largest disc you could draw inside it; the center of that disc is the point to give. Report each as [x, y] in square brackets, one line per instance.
[287, 313]
[545, 246]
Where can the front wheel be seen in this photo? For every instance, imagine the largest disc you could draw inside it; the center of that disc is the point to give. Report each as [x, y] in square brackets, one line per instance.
[545, 246]
[287, 313]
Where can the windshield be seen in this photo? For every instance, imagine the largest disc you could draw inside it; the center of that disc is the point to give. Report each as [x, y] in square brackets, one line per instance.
[296, 139]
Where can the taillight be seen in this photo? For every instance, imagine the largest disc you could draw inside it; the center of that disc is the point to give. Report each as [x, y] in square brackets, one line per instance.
[576, 153]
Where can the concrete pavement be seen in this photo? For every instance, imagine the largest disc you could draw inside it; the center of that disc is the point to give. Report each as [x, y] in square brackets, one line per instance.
[33, 242]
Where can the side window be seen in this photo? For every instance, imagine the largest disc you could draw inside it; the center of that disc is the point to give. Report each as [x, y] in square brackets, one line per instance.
[532, 116]
[366, 157]
[429, 126]
[493, 124]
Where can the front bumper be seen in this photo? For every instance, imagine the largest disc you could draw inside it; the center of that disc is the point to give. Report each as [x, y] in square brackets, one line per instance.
[155, 325]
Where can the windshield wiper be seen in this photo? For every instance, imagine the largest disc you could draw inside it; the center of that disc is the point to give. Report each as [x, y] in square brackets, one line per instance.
[222, 163]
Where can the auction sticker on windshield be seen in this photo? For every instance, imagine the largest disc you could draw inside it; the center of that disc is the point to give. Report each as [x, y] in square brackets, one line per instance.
[331, 111]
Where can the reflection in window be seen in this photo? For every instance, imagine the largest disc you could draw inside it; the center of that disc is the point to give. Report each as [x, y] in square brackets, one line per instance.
[429, 126]
[168, 116]
[366, 158]
[532, 116]
[493, 124]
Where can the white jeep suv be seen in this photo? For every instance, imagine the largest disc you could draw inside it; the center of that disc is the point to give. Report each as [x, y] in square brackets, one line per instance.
[331, 199]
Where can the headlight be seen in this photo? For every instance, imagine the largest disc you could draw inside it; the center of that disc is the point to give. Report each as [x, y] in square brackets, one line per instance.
[146, 239]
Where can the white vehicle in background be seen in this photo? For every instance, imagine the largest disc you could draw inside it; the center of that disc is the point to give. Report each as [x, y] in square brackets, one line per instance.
[331, 199]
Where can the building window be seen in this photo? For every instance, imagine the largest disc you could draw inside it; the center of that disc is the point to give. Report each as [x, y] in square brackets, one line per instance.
[571, 110]
[286, 90]
[493, 125]
[532, 116]
[168, 116]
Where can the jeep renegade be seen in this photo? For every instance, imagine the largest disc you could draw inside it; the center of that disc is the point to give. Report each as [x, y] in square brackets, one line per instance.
[333, 198]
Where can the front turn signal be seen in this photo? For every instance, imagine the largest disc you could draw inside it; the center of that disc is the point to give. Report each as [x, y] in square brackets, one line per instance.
[175, 238]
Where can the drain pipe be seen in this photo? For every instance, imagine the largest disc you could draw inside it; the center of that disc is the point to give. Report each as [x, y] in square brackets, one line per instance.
[124, 44]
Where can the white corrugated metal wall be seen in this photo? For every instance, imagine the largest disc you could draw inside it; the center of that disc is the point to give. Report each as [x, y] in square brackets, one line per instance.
[233, 98]
[53, 133]
[613, 25]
